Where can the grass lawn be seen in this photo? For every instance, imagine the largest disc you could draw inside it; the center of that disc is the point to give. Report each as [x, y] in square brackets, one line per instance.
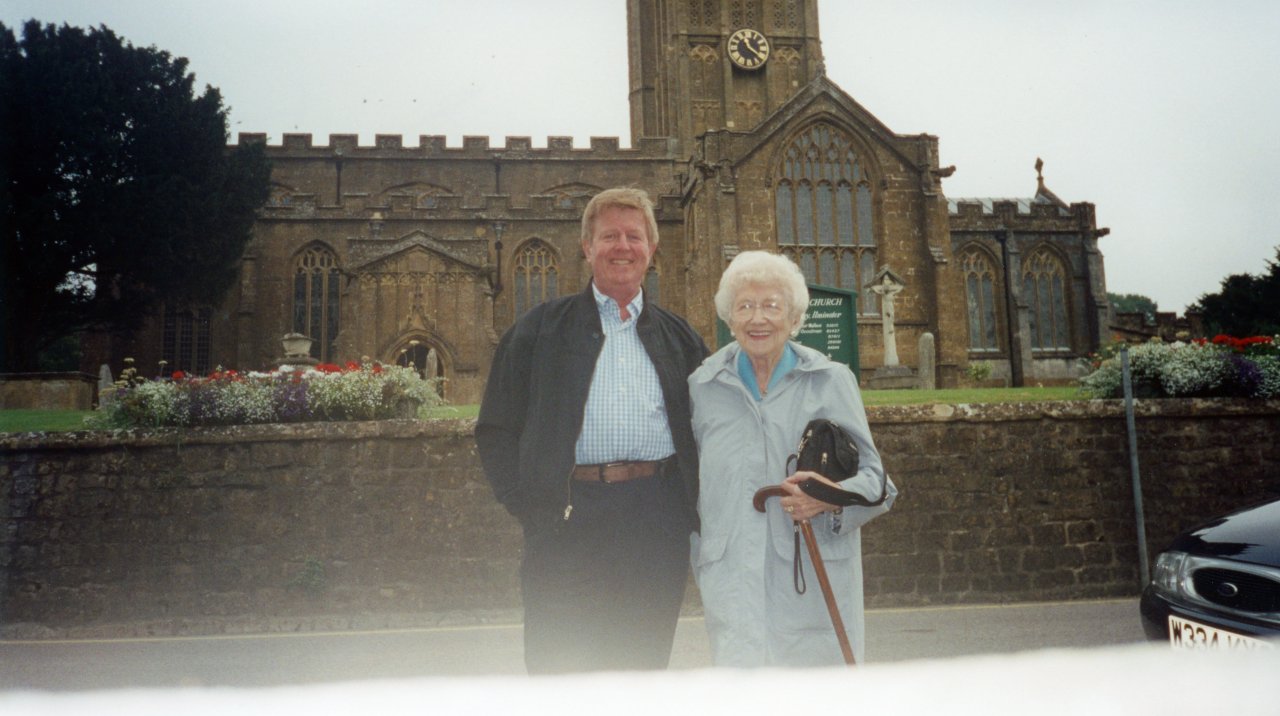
[21, 421]
[18, 421]
[454, 411]
[955, 396]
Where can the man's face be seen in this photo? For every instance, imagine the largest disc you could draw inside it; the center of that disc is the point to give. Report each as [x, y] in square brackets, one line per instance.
[619, 252]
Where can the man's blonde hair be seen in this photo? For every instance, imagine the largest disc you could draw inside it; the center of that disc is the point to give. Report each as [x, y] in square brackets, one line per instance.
[623, 198]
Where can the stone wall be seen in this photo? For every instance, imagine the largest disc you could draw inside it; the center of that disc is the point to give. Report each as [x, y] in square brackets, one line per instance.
[227, 530]
[47, 391]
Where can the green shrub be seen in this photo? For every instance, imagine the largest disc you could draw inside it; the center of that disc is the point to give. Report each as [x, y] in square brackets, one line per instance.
[1225, 367]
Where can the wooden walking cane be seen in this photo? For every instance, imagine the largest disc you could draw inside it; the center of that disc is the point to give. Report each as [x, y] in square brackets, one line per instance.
[811, 542]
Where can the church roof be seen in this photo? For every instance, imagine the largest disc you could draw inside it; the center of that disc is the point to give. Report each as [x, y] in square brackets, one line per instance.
[1043, 196]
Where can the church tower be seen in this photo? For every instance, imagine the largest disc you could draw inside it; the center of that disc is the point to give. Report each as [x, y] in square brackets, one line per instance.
[698, 65]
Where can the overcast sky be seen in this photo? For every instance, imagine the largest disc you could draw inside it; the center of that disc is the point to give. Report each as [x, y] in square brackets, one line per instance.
[1160, 112]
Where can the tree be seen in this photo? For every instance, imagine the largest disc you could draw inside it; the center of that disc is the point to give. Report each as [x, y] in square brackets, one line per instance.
[1247, 305]
[1133, 303]
[117, 189]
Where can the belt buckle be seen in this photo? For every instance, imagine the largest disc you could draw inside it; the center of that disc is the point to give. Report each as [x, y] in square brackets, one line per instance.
[608, 465]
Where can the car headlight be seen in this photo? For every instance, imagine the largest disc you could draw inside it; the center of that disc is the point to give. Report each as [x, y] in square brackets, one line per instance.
[1168, 573]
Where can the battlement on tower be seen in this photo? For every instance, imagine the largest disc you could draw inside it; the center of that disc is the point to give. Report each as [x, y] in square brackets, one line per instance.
[990, 206]
[473, 147]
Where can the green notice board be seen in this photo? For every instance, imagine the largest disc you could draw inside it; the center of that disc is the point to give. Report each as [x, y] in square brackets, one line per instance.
[830, 326]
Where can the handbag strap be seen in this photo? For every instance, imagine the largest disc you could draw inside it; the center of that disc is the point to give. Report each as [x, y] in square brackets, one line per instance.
[797, 571]
[819, 490]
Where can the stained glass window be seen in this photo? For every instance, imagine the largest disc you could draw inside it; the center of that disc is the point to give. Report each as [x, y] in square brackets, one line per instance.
[822, 204]
[1044, 290]
[316, 287]
[535, 275]
[979, 288]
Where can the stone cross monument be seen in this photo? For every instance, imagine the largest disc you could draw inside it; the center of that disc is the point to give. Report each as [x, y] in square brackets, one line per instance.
[887, 285]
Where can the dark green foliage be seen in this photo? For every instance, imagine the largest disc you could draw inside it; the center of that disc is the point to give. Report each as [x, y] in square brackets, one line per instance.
[63, 355]
[1246, 305]
[117, 188]
[1133, 303]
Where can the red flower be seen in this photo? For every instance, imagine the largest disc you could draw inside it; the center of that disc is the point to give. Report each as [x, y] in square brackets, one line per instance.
[1239, 345]
[352, 365]
[179, 375]
[377, 368]
[328, 368]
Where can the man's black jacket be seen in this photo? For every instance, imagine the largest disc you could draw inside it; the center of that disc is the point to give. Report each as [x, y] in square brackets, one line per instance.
[537, 393]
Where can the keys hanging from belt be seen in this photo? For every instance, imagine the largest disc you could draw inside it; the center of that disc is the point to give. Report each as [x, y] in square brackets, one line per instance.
[611, 473]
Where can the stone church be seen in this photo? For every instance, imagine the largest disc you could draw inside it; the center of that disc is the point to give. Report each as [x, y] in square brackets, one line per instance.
[427, 252]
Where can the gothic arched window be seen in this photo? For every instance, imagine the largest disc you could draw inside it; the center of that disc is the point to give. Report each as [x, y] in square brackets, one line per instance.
[315, 299]
[823, 209]
[980, 298]
[1045, 291]
[536, 275]
[186, 340]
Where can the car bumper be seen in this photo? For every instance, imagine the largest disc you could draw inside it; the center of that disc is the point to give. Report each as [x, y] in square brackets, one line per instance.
[1156, 610]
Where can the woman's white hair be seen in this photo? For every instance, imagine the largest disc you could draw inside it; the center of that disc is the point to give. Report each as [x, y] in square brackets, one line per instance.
[761, 268]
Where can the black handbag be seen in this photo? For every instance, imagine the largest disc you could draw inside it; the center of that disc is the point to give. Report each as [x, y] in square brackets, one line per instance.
[825, 448]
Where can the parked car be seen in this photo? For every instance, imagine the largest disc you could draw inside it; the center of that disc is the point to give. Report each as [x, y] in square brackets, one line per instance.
[1217, 585]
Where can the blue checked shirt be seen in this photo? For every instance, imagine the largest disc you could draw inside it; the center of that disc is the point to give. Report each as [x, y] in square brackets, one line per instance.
[626, 417]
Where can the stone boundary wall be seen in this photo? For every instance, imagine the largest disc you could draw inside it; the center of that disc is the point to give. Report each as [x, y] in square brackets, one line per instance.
[369, 525]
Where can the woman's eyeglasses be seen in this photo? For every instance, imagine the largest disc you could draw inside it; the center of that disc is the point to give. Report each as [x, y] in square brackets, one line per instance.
[771, 308]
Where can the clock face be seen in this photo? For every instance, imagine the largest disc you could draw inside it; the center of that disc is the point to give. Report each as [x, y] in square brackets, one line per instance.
[748, 49]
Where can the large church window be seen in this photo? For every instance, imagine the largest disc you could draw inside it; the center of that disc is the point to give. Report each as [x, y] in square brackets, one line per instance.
[186, 340]
[1044, 290]
[535, 275]
[822, 203]
[980, 300]
[316, 284]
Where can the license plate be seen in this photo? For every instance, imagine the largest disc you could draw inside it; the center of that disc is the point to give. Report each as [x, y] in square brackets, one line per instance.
[1186, 634]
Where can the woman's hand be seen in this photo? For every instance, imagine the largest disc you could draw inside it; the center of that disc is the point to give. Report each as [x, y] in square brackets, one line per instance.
[799, 505]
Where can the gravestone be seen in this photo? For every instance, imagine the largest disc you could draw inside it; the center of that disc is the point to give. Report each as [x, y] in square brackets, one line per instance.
[105, 384]
[928, 362]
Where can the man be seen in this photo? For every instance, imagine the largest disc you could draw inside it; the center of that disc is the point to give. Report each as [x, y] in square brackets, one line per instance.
[585, 436]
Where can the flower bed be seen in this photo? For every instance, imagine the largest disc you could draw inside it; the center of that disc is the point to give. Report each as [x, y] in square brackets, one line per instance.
[357, 391]
[1224, 367]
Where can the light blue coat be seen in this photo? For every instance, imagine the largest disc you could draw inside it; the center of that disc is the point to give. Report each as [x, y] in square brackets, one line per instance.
[743, 559]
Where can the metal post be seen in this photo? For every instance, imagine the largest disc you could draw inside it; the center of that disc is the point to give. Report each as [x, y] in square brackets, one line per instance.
[1134, 474]
[1010, 313]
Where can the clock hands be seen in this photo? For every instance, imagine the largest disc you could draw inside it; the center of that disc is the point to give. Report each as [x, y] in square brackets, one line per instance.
[748, 49]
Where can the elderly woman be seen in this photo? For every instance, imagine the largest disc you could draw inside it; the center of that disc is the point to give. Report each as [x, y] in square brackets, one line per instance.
[751, 400]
